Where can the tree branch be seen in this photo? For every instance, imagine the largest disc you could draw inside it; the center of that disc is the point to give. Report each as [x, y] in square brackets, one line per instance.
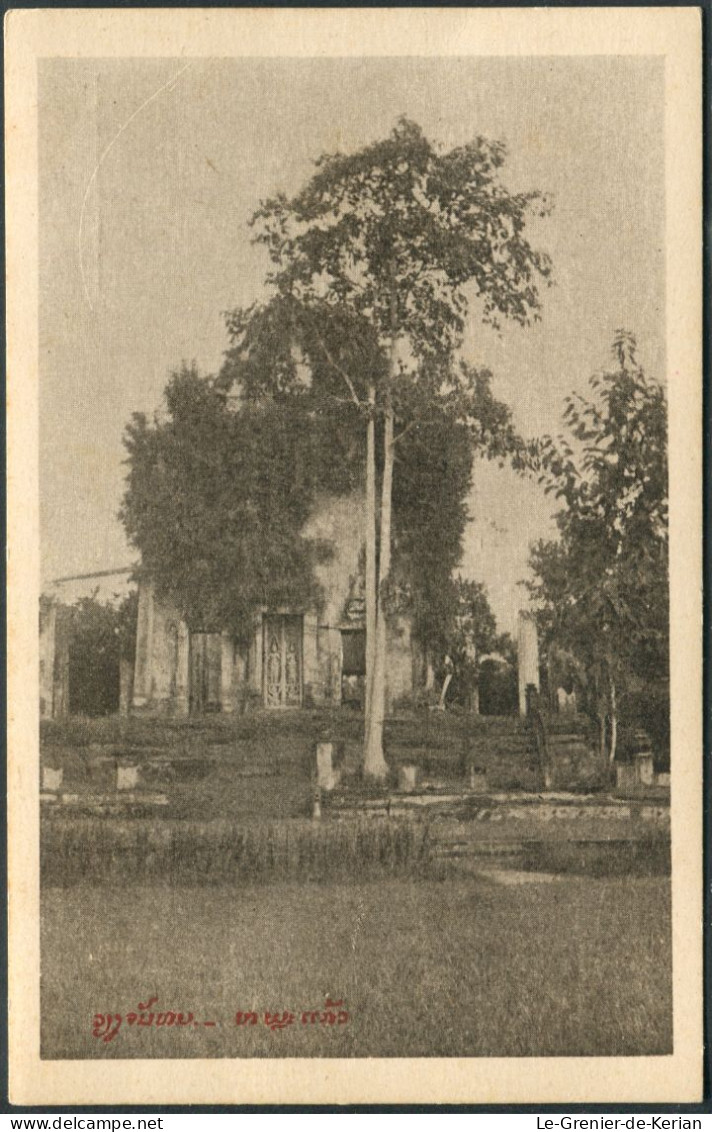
[339, 369]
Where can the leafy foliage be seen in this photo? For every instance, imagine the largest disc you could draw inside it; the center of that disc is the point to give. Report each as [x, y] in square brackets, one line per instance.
[216, 502]
[602, 588]
[392, 235]
[100, 635]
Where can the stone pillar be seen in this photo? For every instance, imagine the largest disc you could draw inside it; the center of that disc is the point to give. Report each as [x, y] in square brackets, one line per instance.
[254, 667]
[227, 671]
[213, 660]
[125, 685]
[527, 657]
[48, 621]
[142, 689]
[399, 662]
[182, 698]
[336, 661]
[60, 683]
[312, 684]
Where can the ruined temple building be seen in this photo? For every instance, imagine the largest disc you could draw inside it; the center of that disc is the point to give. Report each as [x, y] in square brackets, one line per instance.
[295, 656]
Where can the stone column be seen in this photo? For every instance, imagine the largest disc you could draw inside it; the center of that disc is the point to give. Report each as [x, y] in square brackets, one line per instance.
[527, 657]
[254, 673]
[213, 660]
[182, 700]
[313, 686]
[227, 671]
[399, 662]
[335, 664]
[48, 621]
[142, 689]
[429, 672]
[125, 685]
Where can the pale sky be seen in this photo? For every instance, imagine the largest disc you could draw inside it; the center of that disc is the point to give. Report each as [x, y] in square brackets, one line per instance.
[150, 169]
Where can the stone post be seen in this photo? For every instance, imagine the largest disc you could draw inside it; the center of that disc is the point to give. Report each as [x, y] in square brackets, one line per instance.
[325, 765]
[644, 768]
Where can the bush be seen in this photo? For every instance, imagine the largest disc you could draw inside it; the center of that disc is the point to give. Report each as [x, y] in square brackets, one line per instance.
[648, 710]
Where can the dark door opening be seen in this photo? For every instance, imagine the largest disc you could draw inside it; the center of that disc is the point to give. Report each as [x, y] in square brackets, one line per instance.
[353, 667]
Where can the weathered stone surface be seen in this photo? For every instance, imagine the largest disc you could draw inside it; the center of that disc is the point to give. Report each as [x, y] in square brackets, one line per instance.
[407, 778]
[126, 777]
[325, 776]
[52, 778]
[625, 776]
[644, 769]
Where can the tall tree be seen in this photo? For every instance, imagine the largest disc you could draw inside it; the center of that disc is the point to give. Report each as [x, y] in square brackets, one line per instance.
[602, 587]
[373, 264]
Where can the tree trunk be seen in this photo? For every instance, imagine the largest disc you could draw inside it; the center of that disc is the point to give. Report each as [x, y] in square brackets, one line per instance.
[374, 761]
[370, 588]
[614, 718]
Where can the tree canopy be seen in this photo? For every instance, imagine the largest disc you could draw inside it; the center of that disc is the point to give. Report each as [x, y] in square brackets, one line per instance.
[216, 501]
[602, 588]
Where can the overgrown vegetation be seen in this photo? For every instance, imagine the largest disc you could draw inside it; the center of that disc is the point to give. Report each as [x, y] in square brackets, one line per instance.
[100, 635]
[260, 768]
[602, 588]
[97, 851]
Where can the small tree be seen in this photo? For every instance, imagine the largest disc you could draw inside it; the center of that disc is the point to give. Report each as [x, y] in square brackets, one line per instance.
[473, 635]
[101, 634]
[369, 268]
[602, 588]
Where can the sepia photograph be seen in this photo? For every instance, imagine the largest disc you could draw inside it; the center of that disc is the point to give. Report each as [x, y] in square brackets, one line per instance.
[354, 513]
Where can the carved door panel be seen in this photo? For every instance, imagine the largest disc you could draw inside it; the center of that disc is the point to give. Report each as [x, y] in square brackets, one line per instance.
[282, 677]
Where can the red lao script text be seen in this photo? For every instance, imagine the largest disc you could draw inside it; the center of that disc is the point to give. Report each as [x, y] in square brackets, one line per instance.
[106, 1026]
[331, 1015]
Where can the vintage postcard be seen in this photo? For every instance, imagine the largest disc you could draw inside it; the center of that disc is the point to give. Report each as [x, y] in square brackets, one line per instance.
[354, 441]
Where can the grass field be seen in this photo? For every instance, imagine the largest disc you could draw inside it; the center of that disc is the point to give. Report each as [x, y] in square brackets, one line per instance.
[460, 967]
